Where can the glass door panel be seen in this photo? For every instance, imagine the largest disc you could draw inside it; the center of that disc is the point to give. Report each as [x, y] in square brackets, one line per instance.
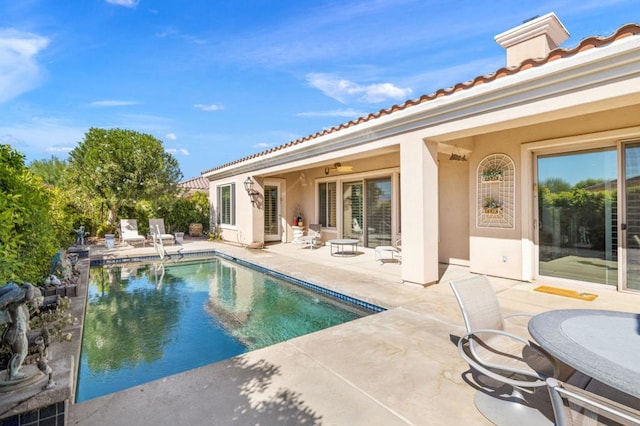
[632, 214]
[577, 214]
[378, 213]
[271, 213]
[352, 211]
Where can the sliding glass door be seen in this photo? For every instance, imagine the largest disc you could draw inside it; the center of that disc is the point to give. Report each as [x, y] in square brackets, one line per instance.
[631, 221]
[366, 211]
[352, 211]
[578, 217]
[378, 212]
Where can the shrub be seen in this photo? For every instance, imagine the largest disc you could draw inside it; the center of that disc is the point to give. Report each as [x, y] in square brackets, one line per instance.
[27, 235]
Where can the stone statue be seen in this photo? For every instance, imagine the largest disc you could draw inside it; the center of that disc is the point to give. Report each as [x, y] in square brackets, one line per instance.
[61, 267]
[80, 234]
[14, 314]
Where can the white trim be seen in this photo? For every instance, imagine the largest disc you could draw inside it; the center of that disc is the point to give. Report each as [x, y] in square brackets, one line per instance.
[548, 25]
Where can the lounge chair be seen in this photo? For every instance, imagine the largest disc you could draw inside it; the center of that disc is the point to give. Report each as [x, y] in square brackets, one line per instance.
[355, 226]
[313, 237]
[156, 229]
[502, 357]
[129, 232]
[395, 252]
[597, 403]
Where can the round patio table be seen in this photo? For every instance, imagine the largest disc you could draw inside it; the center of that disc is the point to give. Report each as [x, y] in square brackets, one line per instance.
[340, 244]
[602, 344]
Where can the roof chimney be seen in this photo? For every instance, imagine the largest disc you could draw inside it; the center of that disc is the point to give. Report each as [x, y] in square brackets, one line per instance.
[534, 39]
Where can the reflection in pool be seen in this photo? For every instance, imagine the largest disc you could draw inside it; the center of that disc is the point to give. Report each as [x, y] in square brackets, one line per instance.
[148, 321]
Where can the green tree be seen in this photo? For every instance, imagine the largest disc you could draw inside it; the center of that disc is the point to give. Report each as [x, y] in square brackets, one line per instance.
[27, 237]
[122, 167]
[50, 171]
[589, 183]
[556, 185]
[179, 212]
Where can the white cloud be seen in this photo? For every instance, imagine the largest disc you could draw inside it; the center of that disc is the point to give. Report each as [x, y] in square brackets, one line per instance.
[59, 149]
[345, 91]
[171, 136]
[178, 151]
[19, 71]
[126, 3]
[112, 103]
[263, 145]
[40, 136]
[211, 107]
[347, 113]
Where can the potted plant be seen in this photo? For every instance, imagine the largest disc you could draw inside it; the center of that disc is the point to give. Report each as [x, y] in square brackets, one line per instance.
[491, 206]
[492, 173]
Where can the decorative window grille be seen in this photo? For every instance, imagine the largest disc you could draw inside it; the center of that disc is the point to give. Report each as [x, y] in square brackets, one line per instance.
[495, 204]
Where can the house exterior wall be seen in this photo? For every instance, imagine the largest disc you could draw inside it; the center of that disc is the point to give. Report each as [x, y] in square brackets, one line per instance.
[495, 249]
[508, 252]
[561, 103]
[248, 224]
[453, 211]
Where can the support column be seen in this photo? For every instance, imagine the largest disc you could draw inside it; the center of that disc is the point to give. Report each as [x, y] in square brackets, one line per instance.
[419, 215]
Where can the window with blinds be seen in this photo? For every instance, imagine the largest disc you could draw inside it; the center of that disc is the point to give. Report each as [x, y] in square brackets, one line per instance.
[327, 204]
[226, 204]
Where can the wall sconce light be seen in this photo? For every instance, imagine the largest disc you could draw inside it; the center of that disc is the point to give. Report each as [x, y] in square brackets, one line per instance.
[339, 167]
[248, 186]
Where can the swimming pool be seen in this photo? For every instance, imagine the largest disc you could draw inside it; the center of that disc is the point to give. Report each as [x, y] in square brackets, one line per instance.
[145, 321]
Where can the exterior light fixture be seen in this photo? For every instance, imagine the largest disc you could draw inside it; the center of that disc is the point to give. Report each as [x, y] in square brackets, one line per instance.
[339, 167]
[248, 186]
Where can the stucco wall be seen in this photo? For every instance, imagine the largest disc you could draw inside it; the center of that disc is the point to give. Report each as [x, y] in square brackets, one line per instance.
[503, 252]
[454, 213]
[248, 220]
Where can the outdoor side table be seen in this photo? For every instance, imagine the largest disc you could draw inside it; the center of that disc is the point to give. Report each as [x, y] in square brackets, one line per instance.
[340, 245]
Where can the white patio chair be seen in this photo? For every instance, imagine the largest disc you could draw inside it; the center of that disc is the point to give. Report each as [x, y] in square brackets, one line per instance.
[156, 229]
[313, 237]
[129, 232]
[395, 252]
[597, 404]
[504, 357]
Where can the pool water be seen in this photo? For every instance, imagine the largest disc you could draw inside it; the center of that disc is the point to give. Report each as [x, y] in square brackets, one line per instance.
[147, 321]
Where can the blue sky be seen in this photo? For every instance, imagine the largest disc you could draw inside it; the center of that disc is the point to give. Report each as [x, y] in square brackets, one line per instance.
[220, 80]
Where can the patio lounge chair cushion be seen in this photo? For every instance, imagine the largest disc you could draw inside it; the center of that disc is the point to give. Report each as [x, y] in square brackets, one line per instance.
[156, 229]
[129, 232]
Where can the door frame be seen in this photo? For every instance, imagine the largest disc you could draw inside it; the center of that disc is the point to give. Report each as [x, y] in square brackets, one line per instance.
[529, 214]
[622, 215]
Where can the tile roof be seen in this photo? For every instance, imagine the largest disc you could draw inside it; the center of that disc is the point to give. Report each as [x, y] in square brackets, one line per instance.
[559, 53]
[195, 183]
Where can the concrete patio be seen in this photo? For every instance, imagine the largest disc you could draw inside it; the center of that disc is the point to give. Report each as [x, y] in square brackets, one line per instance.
[398, 367]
